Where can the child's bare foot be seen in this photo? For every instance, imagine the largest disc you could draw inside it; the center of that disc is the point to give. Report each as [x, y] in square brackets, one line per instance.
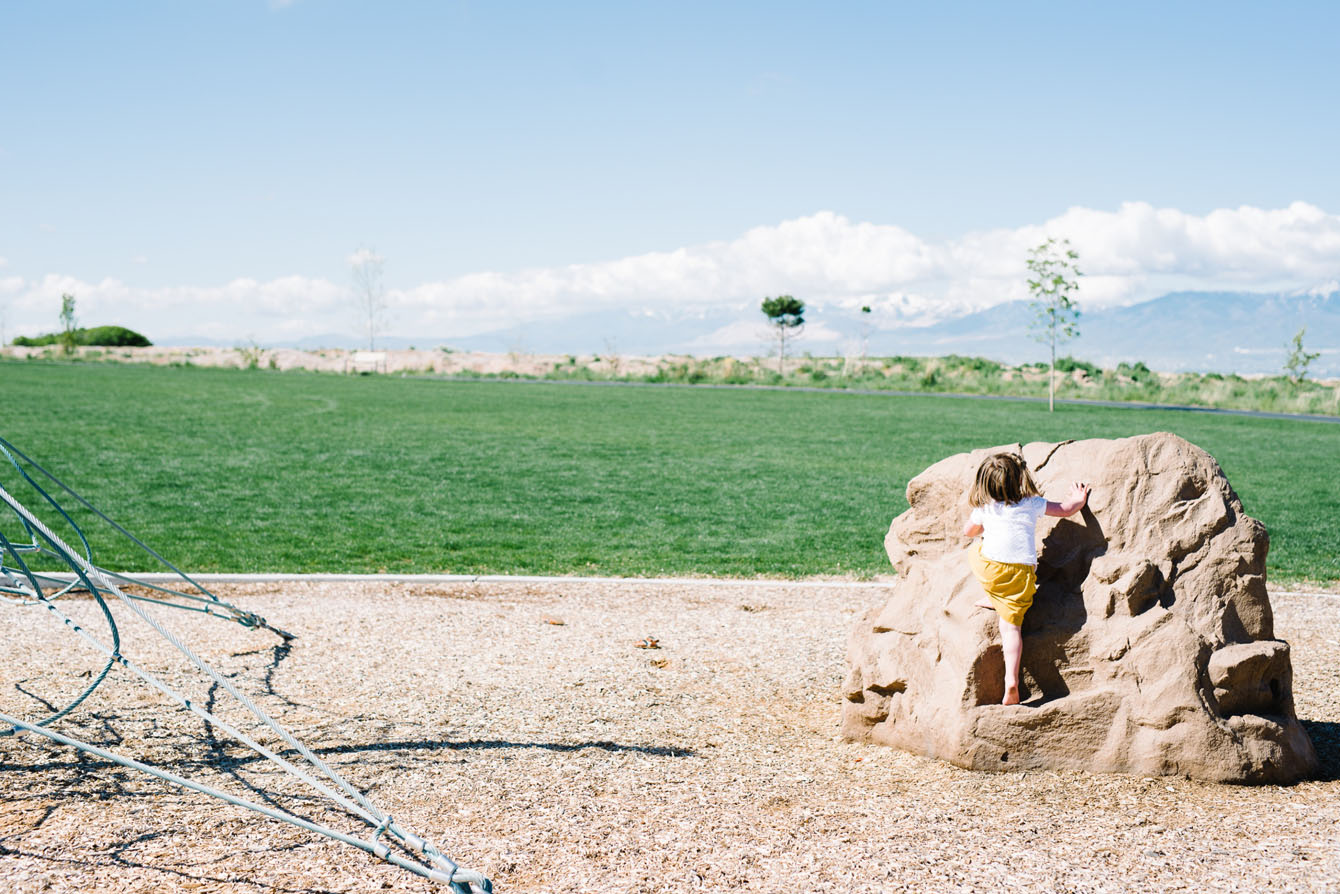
[982, 603]
[1011, 696]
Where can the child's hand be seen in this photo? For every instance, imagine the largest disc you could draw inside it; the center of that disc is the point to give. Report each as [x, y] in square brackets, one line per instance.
[1075, 500]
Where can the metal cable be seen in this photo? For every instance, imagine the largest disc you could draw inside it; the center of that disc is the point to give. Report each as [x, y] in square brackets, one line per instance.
[98, 582]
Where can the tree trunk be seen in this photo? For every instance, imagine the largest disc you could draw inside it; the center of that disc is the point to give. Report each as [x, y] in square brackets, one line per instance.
[1051, 378]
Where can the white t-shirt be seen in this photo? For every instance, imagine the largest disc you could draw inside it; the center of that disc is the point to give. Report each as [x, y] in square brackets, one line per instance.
[1008, 530]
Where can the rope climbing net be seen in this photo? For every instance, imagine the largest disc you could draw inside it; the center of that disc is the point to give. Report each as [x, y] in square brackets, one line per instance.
[38, 567]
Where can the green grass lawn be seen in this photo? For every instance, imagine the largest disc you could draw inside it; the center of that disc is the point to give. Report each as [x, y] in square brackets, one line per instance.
[248, 470]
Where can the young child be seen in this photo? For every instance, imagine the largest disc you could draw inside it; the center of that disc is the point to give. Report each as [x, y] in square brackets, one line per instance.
[1006, 506]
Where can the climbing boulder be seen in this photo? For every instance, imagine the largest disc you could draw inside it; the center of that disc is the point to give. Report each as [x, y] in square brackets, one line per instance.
[1150, 647]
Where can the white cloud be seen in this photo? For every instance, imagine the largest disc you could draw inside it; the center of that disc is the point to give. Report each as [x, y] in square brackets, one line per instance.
[739, 336]
[1133, 253]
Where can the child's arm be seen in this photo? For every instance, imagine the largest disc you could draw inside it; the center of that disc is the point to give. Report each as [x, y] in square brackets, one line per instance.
[972, 529]
[1073, 502]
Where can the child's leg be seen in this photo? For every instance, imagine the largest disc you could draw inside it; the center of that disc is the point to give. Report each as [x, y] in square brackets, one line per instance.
[1012, 644]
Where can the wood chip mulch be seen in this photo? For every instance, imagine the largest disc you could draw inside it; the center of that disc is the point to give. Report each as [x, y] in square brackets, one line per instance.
[562, 757]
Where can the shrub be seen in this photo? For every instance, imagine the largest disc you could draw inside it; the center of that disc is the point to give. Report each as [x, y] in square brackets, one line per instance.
[99, 336]
[976, 364]
[909, 364]
[1070, 364]
[1136, 372]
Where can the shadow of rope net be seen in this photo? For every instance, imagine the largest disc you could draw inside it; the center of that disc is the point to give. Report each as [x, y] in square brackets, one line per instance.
[39, 568]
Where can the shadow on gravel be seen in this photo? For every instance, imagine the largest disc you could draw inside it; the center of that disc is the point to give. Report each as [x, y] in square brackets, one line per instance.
[80, 778]
[485, 744]
[226, 763]
[1325, 735]
[120, 856]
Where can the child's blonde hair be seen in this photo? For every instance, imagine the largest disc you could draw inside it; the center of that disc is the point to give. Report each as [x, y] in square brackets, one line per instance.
[1002, 478]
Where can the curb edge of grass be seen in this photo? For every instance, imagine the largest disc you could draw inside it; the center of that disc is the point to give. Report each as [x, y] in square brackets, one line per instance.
[267, 578]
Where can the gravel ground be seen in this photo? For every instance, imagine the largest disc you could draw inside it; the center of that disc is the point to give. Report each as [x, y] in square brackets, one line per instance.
[562, 757]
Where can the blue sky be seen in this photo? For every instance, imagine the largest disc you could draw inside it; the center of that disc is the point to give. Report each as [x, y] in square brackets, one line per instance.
[158, 152]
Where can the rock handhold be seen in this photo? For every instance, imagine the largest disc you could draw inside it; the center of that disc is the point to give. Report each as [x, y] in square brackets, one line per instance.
[1149, 648]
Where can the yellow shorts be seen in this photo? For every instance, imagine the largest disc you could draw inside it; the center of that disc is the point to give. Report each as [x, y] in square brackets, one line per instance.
[1009, 586]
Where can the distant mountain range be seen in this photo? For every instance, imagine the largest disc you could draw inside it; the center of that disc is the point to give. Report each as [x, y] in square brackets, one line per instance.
[1223, 332]
[1242, 332]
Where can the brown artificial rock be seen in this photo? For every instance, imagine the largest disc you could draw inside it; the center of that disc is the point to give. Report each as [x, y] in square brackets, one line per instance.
[1149, 648]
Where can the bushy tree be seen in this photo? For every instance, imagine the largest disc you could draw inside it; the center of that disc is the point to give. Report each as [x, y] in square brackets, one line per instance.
[787, 317]
[1053, 282]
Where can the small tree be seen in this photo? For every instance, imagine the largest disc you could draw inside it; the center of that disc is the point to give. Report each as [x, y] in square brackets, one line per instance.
[865, 332]
[1053, 281]
[787, 317]
[68, 339]
[1299, 358]
[365, 267]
